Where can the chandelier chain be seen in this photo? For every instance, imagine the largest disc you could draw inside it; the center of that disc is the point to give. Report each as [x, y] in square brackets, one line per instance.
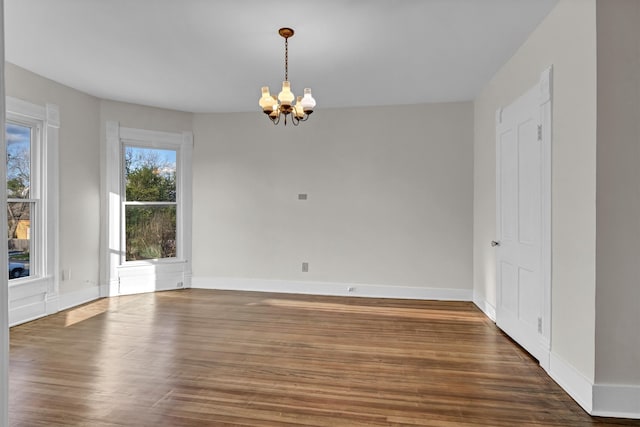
[286, 58]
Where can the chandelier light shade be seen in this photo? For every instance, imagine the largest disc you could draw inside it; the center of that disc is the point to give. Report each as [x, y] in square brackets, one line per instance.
[283, 105]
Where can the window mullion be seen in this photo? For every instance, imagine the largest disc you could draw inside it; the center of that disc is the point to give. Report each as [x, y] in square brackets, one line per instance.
[136, 203]
[23, 200]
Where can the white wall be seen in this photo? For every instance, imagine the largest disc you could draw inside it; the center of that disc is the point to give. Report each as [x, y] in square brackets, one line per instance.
[618, 196]
[142, 117]
[566, 39]
[389, 197]
[79, 175]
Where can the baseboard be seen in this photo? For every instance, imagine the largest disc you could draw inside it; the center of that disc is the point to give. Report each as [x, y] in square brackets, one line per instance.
[82, 296]
[27, 301]
[615, 400]
[488, 309]
[579, 387]
[53, 304]
[104, 291]
[331, 288]
[27, 312]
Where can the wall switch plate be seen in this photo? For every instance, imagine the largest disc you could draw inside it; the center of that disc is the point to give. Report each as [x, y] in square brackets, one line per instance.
[305, 267]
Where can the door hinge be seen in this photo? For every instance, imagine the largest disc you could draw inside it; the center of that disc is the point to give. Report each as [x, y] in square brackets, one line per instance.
[539, 132]
[539, 325]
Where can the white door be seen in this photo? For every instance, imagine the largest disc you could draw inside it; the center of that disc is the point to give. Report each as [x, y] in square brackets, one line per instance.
[522, 298]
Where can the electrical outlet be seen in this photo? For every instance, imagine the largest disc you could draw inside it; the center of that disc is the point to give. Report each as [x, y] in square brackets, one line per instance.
[351, 289]
[302, 197]
[305, 267]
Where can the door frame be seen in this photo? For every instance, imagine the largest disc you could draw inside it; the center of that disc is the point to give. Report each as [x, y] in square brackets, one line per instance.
[545, 92]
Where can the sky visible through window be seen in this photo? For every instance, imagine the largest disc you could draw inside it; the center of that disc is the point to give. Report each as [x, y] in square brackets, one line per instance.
[18, 152]
[139, 157]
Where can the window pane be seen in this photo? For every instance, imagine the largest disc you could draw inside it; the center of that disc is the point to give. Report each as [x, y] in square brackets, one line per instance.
[18, 161]
[150, 174]
[150, 232]
[19, 226]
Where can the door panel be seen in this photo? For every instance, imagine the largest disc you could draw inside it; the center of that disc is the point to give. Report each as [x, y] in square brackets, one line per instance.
[528, 297]
[519, 256]
[509, 294]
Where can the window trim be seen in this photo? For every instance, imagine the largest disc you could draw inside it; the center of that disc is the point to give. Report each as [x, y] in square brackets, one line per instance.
[44, 172]
[117, 138]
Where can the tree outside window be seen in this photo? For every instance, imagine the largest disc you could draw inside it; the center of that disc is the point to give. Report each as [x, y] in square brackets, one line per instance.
[20, 201]
[150, 203]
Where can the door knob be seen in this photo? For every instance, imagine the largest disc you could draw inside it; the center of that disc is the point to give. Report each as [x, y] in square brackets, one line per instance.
[494, 243]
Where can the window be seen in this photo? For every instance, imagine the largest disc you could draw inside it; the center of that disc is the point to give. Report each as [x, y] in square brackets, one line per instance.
[31, 181]
[150, 206]
[148, 200]
[22, 195]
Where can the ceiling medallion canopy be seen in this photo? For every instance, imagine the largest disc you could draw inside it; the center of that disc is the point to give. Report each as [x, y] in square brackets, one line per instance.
[282, 105]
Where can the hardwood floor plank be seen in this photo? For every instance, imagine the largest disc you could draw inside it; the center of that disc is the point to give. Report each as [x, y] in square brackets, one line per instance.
[209, 358]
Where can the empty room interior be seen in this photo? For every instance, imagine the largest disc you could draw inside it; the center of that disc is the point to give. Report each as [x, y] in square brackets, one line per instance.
[386, 212]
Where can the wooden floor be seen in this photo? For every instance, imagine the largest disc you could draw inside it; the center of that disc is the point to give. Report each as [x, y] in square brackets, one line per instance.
[207, 358]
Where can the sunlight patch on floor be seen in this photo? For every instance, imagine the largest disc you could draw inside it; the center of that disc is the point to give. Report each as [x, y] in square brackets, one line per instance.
[85, 312]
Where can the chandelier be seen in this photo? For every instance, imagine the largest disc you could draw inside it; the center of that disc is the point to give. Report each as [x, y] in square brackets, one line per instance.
[282, 105]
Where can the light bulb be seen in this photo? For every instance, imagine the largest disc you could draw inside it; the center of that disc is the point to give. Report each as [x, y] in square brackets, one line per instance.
[275, 112]
[298, 111]
[267, 101]
[286, 97]
[308, 103]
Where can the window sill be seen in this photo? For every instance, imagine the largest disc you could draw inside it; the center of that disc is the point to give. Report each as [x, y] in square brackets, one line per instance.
[152, 262]
[24, 281]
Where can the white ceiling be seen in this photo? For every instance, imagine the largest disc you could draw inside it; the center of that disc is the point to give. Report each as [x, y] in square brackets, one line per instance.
[214, 55]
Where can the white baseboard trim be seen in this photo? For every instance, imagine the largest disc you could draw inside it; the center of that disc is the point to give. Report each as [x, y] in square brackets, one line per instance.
[104, 291]
[579, 387]
[53, 304]
[615, 400]
[27, 312]
[113, 288]
[74, 298]
[331, 288]
[488, 309]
